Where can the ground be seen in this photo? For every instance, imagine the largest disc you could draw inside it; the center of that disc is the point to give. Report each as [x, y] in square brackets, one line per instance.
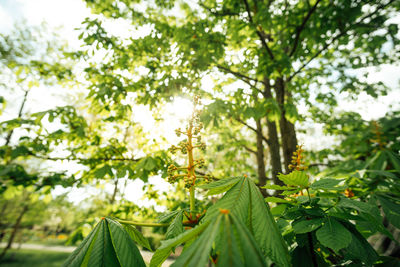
[38, 255]
[34, 258]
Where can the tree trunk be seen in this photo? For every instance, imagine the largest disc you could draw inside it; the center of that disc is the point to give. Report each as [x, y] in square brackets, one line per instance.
[3, 230]
[273, 141]
[21, 109]
[115, 191]
[288, 133]
[18, 222]
[260, 157]
[14, 231]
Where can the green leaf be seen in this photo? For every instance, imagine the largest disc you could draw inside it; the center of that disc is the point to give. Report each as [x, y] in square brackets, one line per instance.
[391, 209]
[376, 162]
[150, 164]
[220, 186]
[383, 173]
[276, 187]
[273, 109]
[291, 113]
[166, 247]
[229, 248]
[359, 247]
[101, 172]
[369, 213]
[121, 173]
[109, 244]
[198, 252]
[176, 226]
[333, 235]
[234, 245]
[245, 201]
[386, 261]
[168, 216]
[102, 252]
[344, 215]
[394, 159]
[277, 200]
[11, 192]
[298, 178]
[19, 151]
[305, 226]
[126, 250]
[250, 250]
[358, 205]
[301, 257]
[327, 184]
[137, 236]
[78, 255]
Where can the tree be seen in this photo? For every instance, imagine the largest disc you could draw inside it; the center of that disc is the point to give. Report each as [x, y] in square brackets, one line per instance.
[30, 60]
[269, 57]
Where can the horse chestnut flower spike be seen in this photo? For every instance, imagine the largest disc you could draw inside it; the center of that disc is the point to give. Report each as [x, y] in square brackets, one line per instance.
[187, 146]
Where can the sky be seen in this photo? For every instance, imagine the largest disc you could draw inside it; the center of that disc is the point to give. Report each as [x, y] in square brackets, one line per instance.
[68, 14]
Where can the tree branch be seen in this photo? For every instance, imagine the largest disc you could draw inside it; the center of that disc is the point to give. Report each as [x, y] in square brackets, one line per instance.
[301, 28]
[260, 34]
[249, 149]
[320, 164]
[83, 159]
[143, 224]
[21, 108]
[241, 76]
[221, 13]
[326, 46]
[251, 128]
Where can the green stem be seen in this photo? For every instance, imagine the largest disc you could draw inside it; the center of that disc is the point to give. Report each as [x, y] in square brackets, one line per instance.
[149, 224]
[312, 252]
[309, 197]
[191, 171]
[145, 224]
[192, 200]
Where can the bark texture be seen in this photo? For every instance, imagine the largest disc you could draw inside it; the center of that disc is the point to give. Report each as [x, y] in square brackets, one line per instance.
[260, 155]
[273, 140]
[14, 231]
[287, 129]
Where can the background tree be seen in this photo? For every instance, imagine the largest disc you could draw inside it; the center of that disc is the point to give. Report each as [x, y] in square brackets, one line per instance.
[103, 145]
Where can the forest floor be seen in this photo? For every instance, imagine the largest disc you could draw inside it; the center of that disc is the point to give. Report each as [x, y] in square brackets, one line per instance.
[42, 255]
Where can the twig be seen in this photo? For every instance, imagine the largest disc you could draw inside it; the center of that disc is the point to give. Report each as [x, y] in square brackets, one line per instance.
[243, 77]
[302, 26]
[83, 159]
[251, 128]
[259, 33]
[336, 38]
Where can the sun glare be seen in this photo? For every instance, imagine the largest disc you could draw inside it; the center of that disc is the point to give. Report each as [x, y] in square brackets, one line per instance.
[180, 108]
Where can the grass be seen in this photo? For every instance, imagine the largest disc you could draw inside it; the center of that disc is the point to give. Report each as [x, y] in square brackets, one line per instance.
[33, 258]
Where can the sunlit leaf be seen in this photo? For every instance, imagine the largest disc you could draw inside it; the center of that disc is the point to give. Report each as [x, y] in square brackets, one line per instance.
[297, 178]
[235, 245]
[245, 202]
[137, 236]
[220, 186]
[162, 253]
[176, 226]
[109, 244]
[327, 184]
[305, 226]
